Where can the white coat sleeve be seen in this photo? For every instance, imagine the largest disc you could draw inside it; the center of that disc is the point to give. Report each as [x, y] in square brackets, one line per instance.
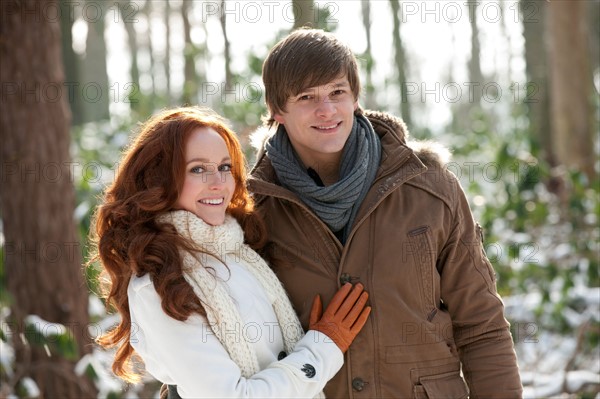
[189, 355]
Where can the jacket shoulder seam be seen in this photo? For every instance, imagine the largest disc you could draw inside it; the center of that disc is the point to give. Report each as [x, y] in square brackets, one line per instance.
[446, 191]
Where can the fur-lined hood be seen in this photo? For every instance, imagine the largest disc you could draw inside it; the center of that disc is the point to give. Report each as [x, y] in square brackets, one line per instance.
[429, 152]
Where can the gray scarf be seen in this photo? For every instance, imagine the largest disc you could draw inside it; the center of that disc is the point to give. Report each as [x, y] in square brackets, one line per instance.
[336, 205]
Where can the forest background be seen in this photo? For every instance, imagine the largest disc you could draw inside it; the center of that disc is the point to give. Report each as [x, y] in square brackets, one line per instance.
[511, 87]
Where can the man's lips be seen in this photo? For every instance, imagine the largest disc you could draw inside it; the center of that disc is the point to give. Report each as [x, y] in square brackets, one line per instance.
[327, 126]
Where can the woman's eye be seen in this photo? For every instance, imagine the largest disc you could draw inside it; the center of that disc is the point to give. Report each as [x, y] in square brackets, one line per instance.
[305, 97]
[225, 168]
[338, 92]
[197, 169]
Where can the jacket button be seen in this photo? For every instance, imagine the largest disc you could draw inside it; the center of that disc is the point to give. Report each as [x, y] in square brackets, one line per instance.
[281, 355]
[345, 278]
[358, 384]
[309, 370]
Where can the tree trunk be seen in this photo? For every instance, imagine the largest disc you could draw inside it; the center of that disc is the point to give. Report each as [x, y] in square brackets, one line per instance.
[227, 51]
[593, 13]
[190, 84]
[474, 66]
[303, 13]
[126, 7]
[149, 106]
[167, 60]
[71, 61]
[400, 61]
[94, 87]
[368, 55]
[571, 86]
[536, 91]
[42, 251]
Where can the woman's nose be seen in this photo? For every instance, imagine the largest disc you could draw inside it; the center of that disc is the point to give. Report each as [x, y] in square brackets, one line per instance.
[216, 179]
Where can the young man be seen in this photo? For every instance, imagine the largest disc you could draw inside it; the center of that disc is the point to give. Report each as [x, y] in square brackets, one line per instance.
[345, 197]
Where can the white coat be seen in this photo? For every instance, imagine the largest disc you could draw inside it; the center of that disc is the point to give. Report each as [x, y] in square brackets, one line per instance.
[189, 355]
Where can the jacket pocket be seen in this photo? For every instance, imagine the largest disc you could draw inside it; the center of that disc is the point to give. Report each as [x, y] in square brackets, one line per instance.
[447, 386]
[424, 260]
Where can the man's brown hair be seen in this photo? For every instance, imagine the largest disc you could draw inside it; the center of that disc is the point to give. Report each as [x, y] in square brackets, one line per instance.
[305, 58]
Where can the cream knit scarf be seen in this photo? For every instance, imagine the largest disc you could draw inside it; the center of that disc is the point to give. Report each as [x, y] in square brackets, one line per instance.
[223, 315]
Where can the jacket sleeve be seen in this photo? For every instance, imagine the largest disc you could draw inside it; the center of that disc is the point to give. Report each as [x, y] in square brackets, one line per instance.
[188, 354]
[468, 289]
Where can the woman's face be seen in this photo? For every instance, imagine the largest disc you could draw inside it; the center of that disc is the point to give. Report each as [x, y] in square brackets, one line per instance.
[209, 184]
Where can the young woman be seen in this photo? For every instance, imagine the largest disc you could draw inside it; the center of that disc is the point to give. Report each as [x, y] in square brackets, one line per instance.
[176, 235]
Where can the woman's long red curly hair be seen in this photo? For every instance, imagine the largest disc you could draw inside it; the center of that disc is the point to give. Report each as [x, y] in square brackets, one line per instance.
[128, 239]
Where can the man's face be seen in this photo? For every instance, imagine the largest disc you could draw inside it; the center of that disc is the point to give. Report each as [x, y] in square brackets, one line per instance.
[318, 121]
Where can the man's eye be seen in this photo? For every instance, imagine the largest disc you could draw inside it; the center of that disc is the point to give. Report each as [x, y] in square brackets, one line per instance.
[225, 167]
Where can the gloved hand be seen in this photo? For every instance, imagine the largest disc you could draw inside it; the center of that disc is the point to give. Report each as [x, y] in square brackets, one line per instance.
[344, 317]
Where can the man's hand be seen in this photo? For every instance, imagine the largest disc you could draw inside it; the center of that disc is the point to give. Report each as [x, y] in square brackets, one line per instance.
[344, 317]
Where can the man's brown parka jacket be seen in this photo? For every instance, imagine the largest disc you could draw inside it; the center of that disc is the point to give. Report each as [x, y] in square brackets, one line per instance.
[437, 328]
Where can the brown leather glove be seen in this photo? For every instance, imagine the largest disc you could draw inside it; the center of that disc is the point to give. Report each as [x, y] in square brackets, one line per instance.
[344, 317]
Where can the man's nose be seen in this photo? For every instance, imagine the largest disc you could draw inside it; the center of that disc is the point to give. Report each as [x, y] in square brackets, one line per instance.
[326, 107]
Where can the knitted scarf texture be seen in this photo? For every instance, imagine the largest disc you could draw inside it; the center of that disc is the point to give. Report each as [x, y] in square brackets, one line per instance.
[222, 313]
[336, 205]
